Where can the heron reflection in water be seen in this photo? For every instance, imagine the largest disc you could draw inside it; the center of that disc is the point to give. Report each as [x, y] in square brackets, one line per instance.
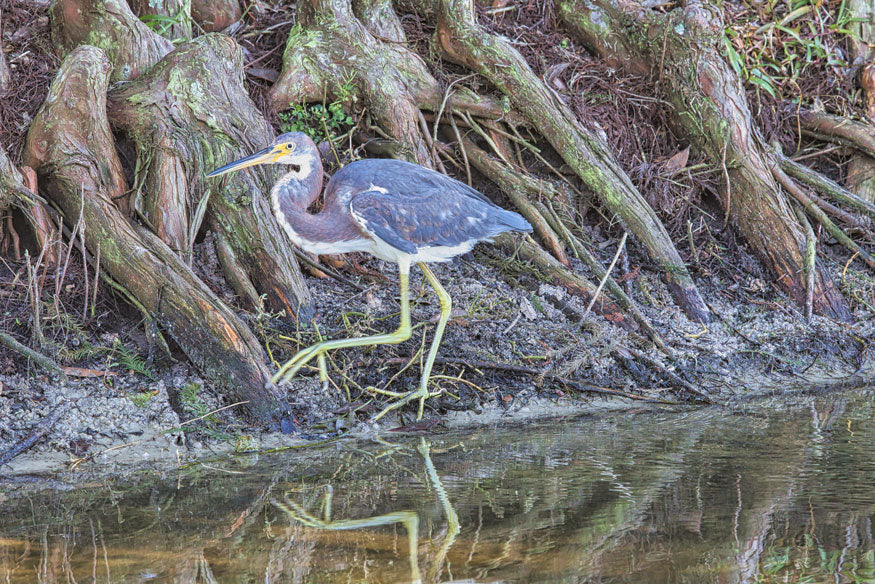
[397, 211]
[409, 519]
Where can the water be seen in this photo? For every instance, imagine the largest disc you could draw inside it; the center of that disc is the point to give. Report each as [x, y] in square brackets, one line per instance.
[779, 493]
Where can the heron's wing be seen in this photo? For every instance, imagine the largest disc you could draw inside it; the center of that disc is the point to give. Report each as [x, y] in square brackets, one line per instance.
[431, 212]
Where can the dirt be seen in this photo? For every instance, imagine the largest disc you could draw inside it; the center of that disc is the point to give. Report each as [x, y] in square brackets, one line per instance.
[516, 347]
[128, 420]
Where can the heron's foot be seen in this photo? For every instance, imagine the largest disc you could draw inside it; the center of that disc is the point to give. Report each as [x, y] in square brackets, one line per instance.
[304, 356]
[404, 398]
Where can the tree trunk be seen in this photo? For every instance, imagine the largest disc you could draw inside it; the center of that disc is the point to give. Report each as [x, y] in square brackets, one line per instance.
[710, 110]
[71, 146]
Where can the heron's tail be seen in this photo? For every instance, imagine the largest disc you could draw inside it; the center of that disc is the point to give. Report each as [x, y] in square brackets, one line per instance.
[513, 221]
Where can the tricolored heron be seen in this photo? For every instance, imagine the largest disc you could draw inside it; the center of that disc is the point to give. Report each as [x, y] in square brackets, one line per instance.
[397, 211]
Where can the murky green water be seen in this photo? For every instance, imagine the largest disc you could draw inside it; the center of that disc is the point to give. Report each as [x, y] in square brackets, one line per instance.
[777, 494]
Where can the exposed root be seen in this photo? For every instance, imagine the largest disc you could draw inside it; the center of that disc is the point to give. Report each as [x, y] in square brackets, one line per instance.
[71, 146]
[822, 218]
[522, 189]
[43, 361]
[171, 18]
[215, 15]
[463, 41]
[826, 186]
[182, 131]
[713, 113]
[110, 25]
[837, 129]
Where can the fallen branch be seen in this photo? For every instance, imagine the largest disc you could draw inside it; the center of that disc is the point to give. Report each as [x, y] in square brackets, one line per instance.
[41, 429]
[43, 361]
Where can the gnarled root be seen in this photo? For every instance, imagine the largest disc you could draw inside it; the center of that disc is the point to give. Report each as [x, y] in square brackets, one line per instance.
[711, 111]
[132, 47]
[463, 41]
[333, 51]
[189, 115]
[174, 22]
[71, 146]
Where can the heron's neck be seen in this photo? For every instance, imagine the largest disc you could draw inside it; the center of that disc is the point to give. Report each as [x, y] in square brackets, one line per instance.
[298, 189]
[292, 195]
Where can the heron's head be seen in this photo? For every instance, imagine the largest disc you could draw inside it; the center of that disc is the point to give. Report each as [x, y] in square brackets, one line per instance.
[293, 148]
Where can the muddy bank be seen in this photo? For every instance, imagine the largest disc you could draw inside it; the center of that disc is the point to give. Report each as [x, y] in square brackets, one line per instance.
[515, 350]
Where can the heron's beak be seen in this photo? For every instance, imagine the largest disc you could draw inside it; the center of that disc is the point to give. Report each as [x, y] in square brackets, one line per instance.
[267, 155]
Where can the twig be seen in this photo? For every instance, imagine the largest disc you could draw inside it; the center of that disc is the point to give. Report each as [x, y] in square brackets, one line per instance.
[41, 429]
[605, 278]
[478, 364]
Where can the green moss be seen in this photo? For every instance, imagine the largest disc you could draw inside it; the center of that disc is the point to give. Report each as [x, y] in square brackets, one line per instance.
[141, 399]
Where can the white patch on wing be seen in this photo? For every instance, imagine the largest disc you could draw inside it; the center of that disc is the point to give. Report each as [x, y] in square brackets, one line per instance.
[374, 187]
[431, 254]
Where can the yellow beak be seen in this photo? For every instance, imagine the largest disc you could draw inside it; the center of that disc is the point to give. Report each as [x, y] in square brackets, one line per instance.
[267, 155]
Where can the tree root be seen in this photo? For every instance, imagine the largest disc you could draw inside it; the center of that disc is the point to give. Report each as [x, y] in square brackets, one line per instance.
[43, 361]
[5, 73]
[182, 130]
[464, 42]
[18, 188]
[334, 55]
[110, 25]
[712, 112]
[861, 169]
[215, 15]
[71, 146]
[822, 218]
[837, 129]
[519, 187]
[826, 186]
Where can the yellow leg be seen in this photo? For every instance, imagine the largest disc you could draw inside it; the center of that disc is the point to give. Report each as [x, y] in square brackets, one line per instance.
[446, 306]
[287, 371]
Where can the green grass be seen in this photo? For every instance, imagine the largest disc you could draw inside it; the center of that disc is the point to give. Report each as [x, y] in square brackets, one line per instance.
[774, 44]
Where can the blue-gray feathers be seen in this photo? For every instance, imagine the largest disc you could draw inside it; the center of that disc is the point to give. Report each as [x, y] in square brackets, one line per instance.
[410, 207]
